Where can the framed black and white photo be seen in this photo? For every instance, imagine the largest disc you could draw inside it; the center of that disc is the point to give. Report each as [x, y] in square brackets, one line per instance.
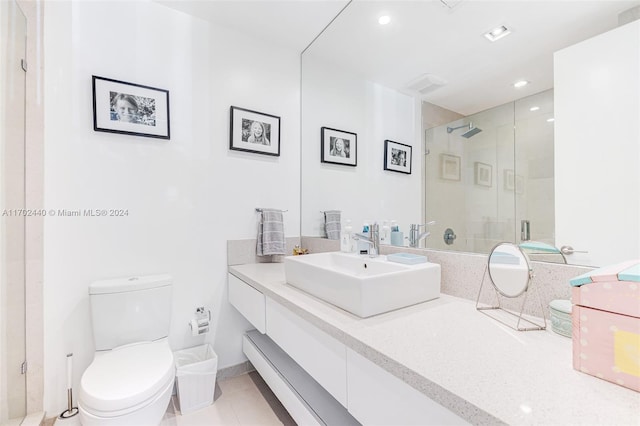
[254, 131]
[483, 174]
[397, 157]
[130, 109]
[338, 147]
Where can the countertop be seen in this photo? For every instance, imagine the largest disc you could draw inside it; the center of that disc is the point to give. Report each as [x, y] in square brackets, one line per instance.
[469, 363]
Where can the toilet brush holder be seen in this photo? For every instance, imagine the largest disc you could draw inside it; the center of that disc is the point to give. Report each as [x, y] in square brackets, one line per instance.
[71, 410]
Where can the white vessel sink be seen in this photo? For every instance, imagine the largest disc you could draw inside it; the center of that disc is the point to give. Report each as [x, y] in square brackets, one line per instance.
[362, 285]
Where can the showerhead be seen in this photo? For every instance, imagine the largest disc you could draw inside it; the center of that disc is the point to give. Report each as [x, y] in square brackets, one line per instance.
[471, 132]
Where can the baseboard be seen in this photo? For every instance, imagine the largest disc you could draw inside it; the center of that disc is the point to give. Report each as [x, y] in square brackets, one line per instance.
[235, 370]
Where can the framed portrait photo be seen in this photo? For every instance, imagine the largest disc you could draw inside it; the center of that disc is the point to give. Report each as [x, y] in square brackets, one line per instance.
[254, 131]
[130, 109]
[397, 157]
[338, 147]
[449, 167]
[483, 174]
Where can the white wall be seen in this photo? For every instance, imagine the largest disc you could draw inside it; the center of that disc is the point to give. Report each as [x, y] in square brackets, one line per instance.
[339, 99]
[185, 196]
[597, 147]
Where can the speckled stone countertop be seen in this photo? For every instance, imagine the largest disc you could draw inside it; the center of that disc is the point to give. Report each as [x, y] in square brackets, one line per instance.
[476, 367]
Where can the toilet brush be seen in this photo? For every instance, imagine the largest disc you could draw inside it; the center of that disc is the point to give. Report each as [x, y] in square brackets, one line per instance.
[71, 410]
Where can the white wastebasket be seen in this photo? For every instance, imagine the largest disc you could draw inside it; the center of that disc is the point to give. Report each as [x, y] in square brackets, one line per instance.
[196, 370]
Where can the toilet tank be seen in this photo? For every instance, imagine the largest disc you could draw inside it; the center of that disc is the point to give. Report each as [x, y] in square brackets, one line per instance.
[129, 310]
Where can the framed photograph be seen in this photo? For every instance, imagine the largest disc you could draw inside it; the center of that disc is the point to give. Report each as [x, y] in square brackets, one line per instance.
[509, 180]
[130, 109]
[449, 167]
[254, 131]
[483, 174]
[338, 147]
[397, 157]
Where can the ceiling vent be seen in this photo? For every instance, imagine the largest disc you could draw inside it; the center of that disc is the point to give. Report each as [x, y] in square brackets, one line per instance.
[426, 83]
[451, 3]
[629, 15]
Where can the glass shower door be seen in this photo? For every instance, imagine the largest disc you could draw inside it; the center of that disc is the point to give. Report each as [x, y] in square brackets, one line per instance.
[13, 30]
[493, 181]
[464, 181]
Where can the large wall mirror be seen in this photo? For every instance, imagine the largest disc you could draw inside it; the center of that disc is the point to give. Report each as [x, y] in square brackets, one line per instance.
[484, 156]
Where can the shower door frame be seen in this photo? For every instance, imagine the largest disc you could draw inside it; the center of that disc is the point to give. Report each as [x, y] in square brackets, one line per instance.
[13, 394]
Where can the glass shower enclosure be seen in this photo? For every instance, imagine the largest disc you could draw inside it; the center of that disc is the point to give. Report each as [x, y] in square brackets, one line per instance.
[489, 177]
[13, 32]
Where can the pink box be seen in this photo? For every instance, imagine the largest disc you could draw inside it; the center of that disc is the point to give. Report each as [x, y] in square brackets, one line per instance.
[606, 326]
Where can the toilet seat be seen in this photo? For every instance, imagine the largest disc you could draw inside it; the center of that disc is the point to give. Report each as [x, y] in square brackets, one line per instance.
[125, 379]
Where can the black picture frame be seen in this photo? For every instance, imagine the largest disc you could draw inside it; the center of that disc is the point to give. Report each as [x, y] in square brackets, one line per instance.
[397, 157]
[254, 131]
[338, 147]
[130, 108]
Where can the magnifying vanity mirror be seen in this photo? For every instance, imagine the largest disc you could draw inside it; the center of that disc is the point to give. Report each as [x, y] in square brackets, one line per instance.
[510, 274]
[509, 270]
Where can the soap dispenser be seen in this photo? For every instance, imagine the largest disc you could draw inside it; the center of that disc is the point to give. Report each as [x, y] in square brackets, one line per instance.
[397, 237]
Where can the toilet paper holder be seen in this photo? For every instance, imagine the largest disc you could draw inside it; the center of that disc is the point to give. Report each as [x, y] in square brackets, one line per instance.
[201, 312]
[200, 324]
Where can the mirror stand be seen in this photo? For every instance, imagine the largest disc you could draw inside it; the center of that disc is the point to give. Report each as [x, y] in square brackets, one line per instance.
[495, 310]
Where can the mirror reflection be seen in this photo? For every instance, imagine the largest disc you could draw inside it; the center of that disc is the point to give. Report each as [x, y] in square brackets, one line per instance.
[494, 182]
[485, 164]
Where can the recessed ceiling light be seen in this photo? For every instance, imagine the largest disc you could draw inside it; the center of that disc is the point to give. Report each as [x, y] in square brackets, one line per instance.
[534, 108]
[551, 120]
[519, 84]
[497, 33]
[384, 20]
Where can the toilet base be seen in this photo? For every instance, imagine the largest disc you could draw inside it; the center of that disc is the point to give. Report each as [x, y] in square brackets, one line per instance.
[148, 415]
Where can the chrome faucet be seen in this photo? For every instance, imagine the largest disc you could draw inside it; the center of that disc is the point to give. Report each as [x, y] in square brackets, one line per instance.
[415, 236]
[373, 240]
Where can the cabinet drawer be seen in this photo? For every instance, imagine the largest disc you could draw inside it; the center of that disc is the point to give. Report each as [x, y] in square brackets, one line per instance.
[319, 354]
[248, 301]
[376, 397]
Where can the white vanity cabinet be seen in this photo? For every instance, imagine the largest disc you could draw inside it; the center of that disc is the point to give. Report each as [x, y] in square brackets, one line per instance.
[322, 356]
[248, 301]
[376, 397]
[368, 393]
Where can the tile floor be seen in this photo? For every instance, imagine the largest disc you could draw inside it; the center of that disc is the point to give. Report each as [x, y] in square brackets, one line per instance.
[244, 400]
[241, 401]
[34, 419]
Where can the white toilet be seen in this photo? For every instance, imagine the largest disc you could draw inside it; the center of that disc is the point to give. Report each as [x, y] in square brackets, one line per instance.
[130, 380]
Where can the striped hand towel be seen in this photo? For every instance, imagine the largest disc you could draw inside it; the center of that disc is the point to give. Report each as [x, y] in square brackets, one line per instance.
[332, 224]
[270, 233]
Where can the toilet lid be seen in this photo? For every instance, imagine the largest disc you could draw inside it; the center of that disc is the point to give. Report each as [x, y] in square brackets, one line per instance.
[126, 377]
